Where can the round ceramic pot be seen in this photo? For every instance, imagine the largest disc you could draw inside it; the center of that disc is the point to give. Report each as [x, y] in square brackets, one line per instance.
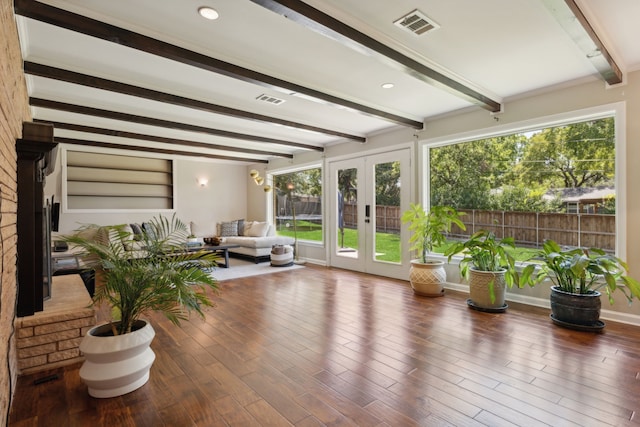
[116, 365]
[480, 292]
[575, 309]
[427, 279]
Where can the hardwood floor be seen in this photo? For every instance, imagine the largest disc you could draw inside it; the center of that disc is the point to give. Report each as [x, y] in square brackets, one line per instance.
[330, 347]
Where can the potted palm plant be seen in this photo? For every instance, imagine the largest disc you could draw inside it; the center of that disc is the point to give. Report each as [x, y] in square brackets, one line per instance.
[489, 269]
[156, 272]
[577, 276]
[427, 276]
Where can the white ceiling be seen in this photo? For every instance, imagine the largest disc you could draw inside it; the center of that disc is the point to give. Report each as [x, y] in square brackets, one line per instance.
[500, 48]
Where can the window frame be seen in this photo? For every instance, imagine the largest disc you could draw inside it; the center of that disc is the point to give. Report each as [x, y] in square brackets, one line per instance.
[615, 110]
[271, 173]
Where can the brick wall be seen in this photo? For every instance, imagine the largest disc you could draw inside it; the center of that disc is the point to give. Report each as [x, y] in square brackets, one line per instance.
[14, 110]
[51, 337]
[50, 342]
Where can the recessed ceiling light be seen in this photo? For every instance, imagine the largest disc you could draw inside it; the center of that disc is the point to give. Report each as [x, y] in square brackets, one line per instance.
[387, 85]
[208, 13]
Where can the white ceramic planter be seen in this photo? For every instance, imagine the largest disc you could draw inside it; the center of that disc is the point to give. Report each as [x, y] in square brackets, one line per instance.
[428, 279]
[116, 365]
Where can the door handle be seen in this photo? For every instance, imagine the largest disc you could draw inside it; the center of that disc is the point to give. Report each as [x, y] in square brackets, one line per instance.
[367, 213]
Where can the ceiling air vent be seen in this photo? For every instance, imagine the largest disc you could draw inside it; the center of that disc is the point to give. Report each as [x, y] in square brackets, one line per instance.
[270, 99]
[416, 22]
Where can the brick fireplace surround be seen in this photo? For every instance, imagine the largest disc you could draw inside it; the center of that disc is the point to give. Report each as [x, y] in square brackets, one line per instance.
[50, 338]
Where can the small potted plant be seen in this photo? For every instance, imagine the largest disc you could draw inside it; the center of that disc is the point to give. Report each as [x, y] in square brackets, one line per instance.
[427, 276]
[488, 267]
[159, 275]
[577, 276]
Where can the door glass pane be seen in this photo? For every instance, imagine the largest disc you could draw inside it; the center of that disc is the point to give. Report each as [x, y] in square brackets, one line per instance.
[386, 215]
[347, 241]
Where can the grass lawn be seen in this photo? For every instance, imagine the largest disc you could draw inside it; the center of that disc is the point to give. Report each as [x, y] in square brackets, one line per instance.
[387, 244]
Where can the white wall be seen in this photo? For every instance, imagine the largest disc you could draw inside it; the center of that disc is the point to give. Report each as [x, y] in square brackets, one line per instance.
[223, 198]
[256, 197]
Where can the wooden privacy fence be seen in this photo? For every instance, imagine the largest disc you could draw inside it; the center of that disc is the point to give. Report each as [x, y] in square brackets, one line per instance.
[527, 228]
[533, 228]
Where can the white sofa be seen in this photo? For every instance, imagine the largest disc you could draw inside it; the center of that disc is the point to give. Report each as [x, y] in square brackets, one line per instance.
[255, 239]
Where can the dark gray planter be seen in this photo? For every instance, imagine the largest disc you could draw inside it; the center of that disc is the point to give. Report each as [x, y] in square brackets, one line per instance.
[576, 311]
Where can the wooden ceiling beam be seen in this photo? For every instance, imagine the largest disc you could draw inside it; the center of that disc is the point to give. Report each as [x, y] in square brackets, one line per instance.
[575, 23]
[89, 143]
[68, 20]
[309, 17]
[161, 139]
[116, 115]
[60, 74]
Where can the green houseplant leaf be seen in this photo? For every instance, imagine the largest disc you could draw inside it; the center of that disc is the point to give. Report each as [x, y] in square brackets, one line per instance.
[581, 271]
[484, 252]
[428, 229]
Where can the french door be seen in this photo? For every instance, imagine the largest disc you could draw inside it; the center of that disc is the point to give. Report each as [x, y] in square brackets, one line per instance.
[368, 196]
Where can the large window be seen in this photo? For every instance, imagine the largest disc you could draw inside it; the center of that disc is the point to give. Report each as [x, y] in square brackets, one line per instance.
[298, 204]
[554, 182]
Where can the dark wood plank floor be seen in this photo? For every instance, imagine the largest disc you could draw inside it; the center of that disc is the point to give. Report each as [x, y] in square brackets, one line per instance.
[329, 347]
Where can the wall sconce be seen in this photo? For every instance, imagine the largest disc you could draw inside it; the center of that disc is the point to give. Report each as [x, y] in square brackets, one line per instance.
[255, 175]
[202, 182]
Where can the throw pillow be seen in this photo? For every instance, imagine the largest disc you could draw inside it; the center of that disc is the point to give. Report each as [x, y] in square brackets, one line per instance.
[258, 229]
[229, 229]
[149, 229]
[241, 227]
[129, 230]
[247, 227]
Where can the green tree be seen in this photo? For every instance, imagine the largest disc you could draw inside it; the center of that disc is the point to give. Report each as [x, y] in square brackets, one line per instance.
[576, 155]
[515, 172]
[463, 175]
[388, 184]
[522, 199]
[307, 182]
[609, 205]
[348, 184]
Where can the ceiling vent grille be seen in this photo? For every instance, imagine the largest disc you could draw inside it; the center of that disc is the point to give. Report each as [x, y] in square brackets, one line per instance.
[416, 22]
[270, 99]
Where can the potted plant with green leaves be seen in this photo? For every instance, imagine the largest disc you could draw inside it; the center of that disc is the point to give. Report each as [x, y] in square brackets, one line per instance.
[159, 274]
[427, 276]
[577, 275]
[488, 267]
